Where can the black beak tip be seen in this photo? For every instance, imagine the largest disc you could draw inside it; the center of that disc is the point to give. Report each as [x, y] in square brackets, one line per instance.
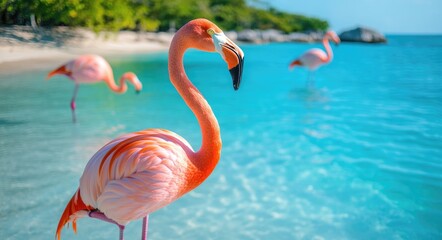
[236, 77]
[236, 73]
[137, 91]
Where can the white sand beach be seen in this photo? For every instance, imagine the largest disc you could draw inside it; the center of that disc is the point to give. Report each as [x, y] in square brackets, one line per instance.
[24, 49]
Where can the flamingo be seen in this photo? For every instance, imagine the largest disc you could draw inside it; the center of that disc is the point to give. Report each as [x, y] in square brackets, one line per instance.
[315, 57]
[139, 173]
[92, 69]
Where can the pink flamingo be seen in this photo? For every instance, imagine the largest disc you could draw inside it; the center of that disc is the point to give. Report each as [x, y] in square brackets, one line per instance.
[139, 173]
[314, 58]
[92, 69]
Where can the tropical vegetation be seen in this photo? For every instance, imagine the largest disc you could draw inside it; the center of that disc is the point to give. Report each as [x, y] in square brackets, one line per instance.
[152, 15]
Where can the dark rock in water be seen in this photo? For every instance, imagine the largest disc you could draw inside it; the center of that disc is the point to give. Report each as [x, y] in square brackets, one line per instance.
[362, 34]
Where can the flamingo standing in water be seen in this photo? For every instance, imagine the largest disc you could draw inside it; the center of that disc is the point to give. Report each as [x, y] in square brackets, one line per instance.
[92, 69]
[314, 58]
[139, 173]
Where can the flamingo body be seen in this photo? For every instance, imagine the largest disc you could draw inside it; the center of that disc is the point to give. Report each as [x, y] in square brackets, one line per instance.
[91, 69]
[139, 173]
[314, 58]
[88, 69]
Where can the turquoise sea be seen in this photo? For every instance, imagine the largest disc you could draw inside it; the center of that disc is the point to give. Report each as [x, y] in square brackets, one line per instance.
[356, 156]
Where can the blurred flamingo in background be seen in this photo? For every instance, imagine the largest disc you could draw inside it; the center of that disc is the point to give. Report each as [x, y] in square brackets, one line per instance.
[92, 69]
[139, 173]
[315, 57]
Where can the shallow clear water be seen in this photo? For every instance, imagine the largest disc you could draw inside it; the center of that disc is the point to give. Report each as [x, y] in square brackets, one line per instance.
[356, 156]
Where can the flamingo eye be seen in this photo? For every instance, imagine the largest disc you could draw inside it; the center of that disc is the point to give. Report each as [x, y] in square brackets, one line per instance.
[210, 31]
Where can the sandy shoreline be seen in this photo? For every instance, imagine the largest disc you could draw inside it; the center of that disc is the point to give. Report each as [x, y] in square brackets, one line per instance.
[24, 49]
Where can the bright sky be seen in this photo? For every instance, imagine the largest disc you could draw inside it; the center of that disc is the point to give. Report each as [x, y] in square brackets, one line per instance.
[386, 16]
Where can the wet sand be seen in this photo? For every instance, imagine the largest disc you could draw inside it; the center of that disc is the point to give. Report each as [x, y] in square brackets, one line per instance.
[25, 49]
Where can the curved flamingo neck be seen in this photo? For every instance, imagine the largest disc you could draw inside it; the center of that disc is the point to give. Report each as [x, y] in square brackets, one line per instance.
[208, 156]
[122, 86]
[328, 49]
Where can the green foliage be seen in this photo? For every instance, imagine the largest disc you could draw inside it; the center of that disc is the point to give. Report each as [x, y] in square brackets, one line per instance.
[232, 17]
[286, 22]
[152, 15]
[177, 12]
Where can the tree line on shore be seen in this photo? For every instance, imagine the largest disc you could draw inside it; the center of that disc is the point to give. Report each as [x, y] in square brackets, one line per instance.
[153, 15]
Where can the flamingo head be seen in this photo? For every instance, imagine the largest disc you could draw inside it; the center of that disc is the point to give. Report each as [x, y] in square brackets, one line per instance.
[333, 36]
[64, 69]
[132, 78]
[207, 36]
[138, 86]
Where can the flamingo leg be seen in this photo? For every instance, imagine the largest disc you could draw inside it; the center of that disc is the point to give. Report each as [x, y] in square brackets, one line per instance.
[99, 215]
[74, 118]
[121, 232]
[310, 79]
[145, 227]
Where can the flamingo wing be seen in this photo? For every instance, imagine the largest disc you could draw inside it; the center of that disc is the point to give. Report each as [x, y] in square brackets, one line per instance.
[89, 69]
[136, 174]
[313, 58]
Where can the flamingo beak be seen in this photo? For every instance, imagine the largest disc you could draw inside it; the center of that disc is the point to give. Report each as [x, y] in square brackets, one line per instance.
[138, 86]
[337, 41]
[231, 53]
[60, 70]
[234, 57]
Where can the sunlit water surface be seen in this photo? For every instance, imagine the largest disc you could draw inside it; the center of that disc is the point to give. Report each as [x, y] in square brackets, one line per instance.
[357, 155]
